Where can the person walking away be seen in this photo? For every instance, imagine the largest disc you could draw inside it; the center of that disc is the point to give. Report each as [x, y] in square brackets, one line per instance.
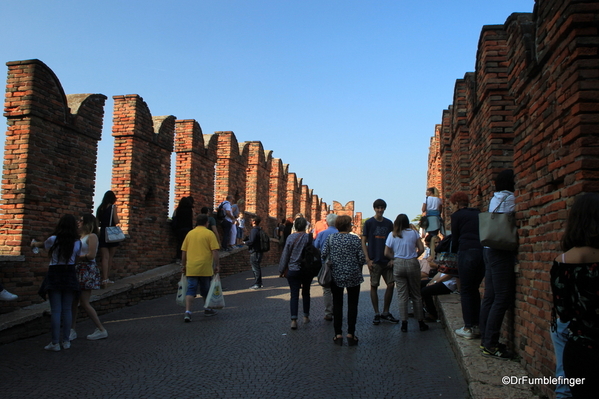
[327, 295]
[500, 280]
[107, 250]
[575, 287]
[61, 281]
[375, 232]
[200, 260]
[347, 261]
[404, 246]
[465, 240]
[290, 267]
[255, 252]
[88, 276]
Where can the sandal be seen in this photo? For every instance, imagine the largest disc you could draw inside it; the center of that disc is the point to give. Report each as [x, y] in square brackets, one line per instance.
[352, 340]
[338, 340]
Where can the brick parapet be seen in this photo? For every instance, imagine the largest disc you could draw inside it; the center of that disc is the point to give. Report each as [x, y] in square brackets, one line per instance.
[533, 108]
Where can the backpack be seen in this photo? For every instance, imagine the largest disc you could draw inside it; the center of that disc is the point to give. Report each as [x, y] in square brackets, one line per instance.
[310, 262]
[220, 213]
[264, 241]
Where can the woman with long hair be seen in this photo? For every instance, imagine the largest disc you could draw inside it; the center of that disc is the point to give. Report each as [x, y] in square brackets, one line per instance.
[88, 275]
[575, 286]
[107, 215]
[404, 246]
[61, 281]
[290, 267]
[347, 260]
[432, 208]
[500, 279]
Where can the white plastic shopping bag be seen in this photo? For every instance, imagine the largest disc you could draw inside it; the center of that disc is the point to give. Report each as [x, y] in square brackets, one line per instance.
[215, 298]
[182, 290]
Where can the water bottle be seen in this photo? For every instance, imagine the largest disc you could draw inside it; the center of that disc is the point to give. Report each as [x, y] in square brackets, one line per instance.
[35, 250]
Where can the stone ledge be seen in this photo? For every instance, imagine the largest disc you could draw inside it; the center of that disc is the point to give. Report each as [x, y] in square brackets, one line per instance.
[482, 374]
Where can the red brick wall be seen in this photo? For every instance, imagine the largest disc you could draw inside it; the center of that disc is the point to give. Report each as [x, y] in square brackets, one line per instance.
[530, 105]
[140, 180]
[49, 168]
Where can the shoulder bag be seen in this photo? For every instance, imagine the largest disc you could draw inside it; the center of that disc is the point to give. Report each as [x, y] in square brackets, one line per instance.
[498, 230]
[113, 233]
[325, 275]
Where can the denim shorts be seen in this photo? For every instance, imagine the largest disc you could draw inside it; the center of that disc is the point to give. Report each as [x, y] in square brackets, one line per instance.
[202, 281]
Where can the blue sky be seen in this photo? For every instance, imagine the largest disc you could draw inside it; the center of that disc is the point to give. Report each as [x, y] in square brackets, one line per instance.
[346, 92]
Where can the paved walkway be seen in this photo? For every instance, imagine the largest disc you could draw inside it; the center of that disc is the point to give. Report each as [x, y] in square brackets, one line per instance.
[246, 351]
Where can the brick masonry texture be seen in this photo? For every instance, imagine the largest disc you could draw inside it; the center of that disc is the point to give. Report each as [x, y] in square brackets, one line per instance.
[50, 169]
[532, 104]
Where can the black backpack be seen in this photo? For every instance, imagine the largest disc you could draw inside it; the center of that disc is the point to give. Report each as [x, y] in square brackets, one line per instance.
[220, 213]
[264, 241]
[310, 261]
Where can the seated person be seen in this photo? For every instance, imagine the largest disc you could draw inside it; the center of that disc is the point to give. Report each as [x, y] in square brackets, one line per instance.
[440, 284]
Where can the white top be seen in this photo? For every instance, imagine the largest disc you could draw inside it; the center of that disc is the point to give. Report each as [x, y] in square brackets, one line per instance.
[433, 203]
[55, 261]
[404, 247]
[85, 247]
[451, 284]
[509, 205]
[227, 208]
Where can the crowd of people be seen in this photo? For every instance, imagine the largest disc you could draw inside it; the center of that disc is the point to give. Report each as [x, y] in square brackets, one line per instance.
[392, 251]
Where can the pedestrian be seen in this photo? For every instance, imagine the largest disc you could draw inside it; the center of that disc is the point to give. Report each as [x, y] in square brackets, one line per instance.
[107, 215]
[256, 253]
[227, 223]
[321, 225]
[404, 246]
[61, 280]
[500, 280]
[347, 259]
[88, 276]
[465, 241]
[575, 286]
[374, 234]
[199, 262]
[327, 295]
[432, 208]
[290, 267]
[183, 222]
[211, 221]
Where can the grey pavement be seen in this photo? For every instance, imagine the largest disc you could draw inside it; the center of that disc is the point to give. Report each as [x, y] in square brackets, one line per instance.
[246, 351]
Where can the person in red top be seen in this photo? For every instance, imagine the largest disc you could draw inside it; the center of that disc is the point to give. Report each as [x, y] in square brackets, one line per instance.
[321, 225]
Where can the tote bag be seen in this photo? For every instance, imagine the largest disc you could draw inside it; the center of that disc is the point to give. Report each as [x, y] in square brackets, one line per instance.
[498, 230]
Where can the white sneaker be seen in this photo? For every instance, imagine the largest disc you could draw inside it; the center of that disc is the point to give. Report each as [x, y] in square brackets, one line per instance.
[66, 345]
[465, 332]
[98, 334]
[73, 335]
[7, 296]
[52, 347]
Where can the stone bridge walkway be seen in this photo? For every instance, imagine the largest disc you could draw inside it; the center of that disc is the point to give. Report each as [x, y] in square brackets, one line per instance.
[246, 351]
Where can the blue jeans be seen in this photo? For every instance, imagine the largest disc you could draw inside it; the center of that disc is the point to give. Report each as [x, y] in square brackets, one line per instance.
[296, 281]
[500, 286]
[471, 269]
[559, 338]
[61, 302]
[255, 259]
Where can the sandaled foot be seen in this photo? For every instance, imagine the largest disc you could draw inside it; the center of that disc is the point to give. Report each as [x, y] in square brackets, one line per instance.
[352, 340]
[338, 340]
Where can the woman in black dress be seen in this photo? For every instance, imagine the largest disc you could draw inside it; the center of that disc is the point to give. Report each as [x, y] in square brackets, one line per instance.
[107, 215]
